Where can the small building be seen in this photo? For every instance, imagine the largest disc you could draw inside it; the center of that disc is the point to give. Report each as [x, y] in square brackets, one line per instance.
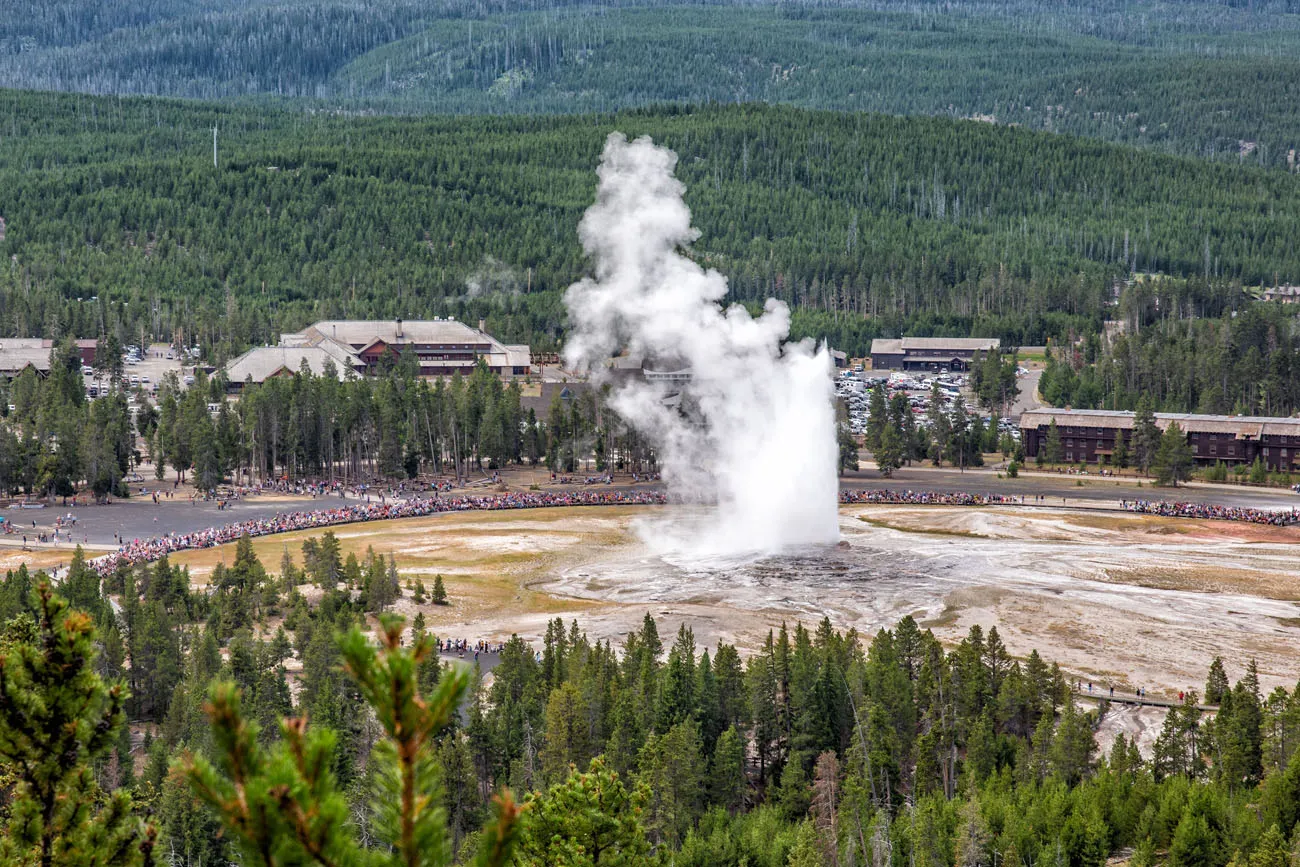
[19, 353]
[86, 349]
[929, 353]
[1285, 294]
[1088, 436]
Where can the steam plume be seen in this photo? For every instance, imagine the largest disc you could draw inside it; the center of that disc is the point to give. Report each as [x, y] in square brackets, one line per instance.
[755, 429]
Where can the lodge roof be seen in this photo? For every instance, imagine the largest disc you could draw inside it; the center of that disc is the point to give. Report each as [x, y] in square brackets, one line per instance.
[888, 346]
[1239, 426]
[262, 363]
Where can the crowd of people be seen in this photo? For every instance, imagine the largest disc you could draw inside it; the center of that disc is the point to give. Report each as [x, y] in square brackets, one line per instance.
[137, 551]
[925, 498]
[1164, 508]
[462, 646]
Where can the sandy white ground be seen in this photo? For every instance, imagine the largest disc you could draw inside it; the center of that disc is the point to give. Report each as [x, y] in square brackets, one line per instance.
[1126, 601]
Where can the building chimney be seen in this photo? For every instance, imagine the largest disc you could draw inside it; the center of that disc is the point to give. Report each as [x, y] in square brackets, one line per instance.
[482, 325]
[399, 329]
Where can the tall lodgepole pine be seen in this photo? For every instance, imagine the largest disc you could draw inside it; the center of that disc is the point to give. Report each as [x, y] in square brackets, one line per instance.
[57, 716]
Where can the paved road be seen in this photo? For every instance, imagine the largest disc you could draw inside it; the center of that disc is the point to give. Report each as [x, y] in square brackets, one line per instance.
[139, 518]
[486, 661]
[1026, 400]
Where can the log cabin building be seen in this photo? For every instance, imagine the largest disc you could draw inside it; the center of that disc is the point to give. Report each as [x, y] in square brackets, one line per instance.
[1088, 436]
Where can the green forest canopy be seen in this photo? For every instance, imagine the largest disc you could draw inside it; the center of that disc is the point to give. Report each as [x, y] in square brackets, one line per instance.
[1202, 78]
[820, 748]
[116, 219]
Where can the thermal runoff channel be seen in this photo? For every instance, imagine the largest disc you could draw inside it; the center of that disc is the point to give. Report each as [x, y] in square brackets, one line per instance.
[748, 426]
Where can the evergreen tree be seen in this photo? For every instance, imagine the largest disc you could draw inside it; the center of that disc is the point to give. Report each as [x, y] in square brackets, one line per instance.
[1146, 435]
[727, 782]
[1174, 459]
[889, 454]
[1216, 682]
[877, 417]
[1119, 456]
[567, 733]
[57, 718]
[589, 819]
[670, 770]
[439, 591]
[848, 448]
[1053, 449]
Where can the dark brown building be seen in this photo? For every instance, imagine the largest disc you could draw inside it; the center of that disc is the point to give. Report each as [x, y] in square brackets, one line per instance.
[929, 353]
[1088, 436]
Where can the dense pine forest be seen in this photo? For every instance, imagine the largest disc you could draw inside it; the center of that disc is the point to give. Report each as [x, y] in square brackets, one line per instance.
[115, 220]
[1184, 348]
[820, 748]
[1212, 79]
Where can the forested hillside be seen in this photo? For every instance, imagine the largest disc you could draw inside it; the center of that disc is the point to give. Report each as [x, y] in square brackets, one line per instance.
[116, 219]
[820, 748]
[1215, 359]
[1202, 78]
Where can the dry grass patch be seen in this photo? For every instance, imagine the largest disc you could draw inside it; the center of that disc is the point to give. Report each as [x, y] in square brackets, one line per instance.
[902, 527]
[489, 561]
[1126, 523]
[45, 558]
[1207, 579]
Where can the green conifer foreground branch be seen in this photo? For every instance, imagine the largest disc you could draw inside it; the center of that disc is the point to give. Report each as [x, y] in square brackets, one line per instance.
[283, 805]
[57, 716]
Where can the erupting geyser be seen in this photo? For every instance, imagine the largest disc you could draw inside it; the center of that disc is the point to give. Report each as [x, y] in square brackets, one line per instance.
[754, 430]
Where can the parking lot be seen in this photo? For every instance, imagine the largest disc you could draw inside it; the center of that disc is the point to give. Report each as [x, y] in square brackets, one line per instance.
[146, 373]
[854, 386]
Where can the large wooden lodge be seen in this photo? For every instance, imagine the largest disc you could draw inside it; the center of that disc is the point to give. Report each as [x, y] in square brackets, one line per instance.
[1088, 436]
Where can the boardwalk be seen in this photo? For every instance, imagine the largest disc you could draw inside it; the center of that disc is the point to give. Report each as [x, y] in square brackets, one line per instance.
[1100, 694]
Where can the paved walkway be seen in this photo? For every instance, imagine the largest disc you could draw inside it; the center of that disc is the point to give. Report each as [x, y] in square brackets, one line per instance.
[486, 661]
[1062, 489]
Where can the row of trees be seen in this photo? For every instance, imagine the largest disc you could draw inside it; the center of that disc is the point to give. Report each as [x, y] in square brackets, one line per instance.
[356, 430]
[393, 426]
[822, 748]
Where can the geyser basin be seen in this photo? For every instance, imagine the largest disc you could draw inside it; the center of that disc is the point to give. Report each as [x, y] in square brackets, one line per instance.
[1130, 603]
